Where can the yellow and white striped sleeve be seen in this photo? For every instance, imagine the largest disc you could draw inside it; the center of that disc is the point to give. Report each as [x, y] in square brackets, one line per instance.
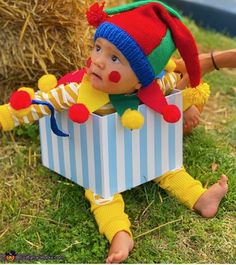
[168, 82]
[61, 98]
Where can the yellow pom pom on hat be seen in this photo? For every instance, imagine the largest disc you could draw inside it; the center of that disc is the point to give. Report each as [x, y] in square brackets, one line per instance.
[195, 96]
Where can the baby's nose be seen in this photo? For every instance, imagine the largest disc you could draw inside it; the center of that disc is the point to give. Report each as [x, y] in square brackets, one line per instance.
[100, 62]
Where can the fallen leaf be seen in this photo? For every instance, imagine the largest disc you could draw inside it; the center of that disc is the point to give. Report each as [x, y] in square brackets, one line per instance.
[214, 167]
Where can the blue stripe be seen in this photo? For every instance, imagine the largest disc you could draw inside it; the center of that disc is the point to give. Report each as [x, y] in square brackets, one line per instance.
[97, 155]
[84, 155]
[157, 145]
[112, 158]
[60, 154]
[143, 147]
[171, 146]
[49, 143]
[128, 158]
[72, 151]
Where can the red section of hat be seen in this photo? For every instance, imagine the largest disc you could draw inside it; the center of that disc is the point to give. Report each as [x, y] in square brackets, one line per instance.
[143, 25]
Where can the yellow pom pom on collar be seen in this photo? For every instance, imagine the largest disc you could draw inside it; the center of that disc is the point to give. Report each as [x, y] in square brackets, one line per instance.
[132, 119]
[195, 96]
[47, 82]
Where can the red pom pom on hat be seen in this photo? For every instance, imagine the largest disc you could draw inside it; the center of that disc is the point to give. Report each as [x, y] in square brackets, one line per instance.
[78, 113]
[96, 15]
[20, 100]
[171, 113]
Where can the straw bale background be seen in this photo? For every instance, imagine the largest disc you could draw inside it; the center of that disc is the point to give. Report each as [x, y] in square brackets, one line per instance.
[42, 36]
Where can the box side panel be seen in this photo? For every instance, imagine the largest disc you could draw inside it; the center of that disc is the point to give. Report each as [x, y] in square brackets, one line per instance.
[106, 158]
[135, 157]
[130, 158]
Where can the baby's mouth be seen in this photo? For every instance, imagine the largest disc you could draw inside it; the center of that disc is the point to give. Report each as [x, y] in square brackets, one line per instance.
[96, 75]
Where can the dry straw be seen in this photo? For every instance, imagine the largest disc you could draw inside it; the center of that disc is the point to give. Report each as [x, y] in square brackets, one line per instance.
[42, 36]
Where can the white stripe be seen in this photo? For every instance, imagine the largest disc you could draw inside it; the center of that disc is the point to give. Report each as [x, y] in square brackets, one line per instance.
[34, 113]
[179, 133]
[66, 146]
[78, 156]
[56, 97]
[90, 150]
[44, 96]
[44, 144]
[56, 155]
[164, 146]
[74, 87]
[16, 121]
[150, 144]
[104, 157]
[172, 79]
[120, 154]
[136, 157]
[26, 120]
[42, 109]
[67, 99]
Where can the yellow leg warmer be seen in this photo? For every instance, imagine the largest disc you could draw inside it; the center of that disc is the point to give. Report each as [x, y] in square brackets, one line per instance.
[109, 214]
[181, 185]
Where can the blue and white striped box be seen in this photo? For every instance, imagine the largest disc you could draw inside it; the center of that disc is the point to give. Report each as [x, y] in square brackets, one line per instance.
[106, 158]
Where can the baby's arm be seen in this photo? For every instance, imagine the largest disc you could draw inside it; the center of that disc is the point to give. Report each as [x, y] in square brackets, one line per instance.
[61, 98]
[191, 112]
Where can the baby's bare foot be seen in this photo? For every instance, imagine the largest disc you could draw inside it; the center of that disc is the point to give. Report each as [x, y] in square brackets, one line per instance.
[207, 205]
[121, 245]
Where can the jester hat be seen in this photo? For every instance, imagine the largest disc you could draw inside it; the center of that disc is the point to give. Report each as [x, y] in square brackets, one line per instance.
[147, 33]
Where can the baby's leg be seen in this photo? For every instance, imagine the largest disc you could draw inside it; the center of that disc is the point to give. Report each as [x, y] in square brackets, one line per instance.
[191, 193]
[121, 244]
[114, 224]
[208, 203]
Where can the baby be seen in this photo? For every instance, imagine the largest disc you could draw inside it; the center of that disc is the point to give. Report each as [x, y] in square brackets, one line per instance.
[131, 47]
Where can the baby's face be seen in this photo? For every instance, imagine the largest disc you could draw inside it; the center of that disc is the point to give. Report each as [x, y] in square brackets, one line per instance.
[110, 72]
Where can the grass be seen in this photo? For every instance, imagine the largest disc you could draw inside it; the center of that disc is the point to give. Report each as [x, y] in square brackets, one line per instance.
[41, 213]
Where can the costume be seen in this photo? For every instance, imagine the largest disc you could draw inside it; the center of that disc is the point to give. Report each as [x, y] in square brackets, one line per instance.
[146, 33]
[109, 214]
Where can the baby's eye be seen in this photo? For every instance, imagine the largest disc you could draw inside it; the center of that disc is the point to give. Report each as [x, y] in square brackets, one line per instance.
[97, 48]
[115, 59]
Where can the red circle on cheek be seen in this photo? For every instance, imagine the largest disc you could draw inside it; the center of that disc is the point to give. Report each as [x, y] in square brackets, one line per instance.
[114, 76]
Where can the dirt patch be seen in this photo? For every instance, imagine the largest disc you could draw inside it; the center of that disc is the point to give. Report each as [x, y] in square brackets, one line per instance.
[217, 112]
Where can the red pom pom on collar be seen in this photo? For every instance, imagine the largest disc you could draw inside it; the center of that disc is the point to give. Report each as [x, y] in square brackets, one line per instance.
[96, 15]
[20, 100]
[78, 113]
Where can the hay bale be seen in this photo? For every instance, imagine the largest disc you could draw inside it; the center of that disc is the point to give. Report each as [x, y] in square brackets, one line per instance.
[37, 37]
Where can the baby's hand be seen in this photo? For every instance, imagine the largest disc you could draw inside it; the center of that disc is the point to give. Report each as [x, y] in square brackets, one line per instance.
[191, 118]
